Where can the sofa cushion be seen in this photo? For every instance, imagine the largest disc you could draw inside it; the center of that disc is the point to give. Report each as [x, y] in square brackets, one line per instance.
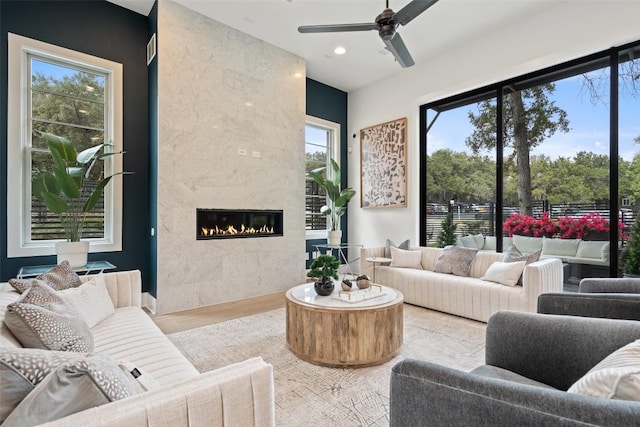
[91, 299]
[472, 241]
[406, 245]
[505, 273]
[490, 243]
[489, 371]
[591, 249]
[405, 259]
[62, 276]
[560, 247]
[617, 376]
[41, 318]
[73, 386]
[456, 260]
[527, 244]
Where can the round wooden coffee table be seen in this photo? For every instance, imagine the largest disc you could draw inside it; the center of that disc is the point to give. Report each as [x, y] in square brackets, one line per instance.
[333, 332]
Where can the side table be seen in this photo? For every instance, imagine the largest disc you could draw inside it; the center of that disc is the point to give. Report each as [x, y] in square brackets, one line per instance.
[90, 267]
[343, 252]
[377, 260]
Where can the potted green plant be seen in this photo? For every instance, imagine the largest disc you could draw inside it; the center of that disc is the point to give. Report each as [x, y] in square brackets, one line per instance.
[324, 268]
[69, 191]
[338, 199]
[630, 256]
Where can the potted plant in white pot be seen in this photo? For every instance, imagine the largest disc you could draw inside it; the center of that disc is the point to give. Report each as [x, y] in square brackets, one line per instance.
[69, 191]
[338, 199]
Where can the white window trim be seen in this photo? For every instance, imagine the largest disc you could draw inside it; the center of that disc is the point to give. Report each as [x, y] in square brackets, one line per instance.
[334, 153]
[19, 138]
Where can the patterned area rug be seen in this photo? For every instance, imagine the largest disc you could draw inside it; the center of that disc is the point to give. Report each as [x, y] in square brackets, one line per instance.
[310, 395]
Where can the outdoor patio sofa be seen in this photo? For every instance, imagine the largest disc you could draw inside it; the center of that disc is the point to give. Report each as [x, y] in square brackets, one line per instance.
[238, 394]
[531, 360]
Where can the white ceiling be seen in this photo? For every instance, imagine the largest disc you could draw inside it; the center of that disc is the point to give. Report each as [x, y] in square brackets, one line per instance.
[445, 26]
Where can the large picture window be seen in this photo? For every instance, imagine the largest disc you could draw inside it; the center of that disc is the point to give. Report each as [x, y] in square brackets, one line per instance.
[547, 155]
[70, 94]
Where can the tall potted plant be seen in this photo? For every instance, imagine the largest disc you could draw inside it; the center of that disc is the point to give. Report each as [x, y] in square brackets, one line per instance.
[338, 199]
[630, 256]
[68, 191]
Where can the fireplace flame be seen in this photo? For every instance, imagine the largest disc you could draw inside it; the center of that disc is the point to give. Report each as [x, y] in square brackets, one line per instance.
[232, 231]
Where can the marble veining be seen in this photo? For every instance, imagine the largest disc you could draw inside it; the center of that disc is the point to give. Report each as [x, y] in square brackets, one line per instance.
[221, 90]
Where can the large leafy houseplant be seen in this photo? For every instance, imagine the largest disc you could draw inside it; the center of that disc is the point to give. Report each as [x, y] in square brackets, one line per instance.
[67, 190]
[338, 198]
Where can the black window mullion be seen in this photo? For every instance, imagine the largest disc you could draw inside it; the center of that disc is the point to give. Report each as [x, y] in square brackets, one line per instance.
[613, 163]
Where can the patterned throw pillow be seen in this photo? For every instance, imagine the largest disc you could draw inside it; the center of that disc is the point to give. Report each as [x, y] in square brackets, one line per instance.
[75, 385]
[513, 254]
[62, 276]
[456, 260]
[40, 318]
[21, 369]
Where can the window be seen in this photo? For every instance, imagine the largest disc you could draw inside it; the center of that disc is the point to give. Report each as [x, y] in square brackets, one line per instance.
[67, 93]
[321, 144]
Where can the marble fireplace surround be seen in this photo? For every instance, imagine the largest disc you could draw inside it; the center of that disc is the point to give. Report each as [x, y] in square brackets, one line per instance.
[231, 112]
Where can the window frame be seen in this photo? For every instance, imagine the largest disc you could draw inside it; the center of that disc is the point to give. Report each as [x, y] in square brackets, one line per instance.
[333, 151]
[19, 145]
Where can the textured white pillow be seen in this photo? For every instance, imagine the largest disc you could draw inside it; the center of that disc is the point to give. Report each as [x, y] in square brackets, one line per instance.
[505, 273]
[91, 299]
[406, 259]
[617, 376]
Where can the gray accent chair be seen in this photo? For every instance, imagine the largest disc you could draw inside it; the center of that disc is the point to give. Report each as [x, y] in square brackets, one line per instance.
[597, 297]
[530, 361]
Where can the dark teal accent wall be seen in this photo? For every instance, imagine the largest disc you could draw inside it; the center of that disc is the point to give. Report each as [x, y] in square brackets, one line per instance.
[152, 283]
[101, 29]
[329, 103]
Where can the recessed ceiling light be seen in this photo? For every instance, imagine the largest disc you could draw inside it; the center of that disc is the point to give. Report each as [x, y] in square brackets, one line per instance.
[248, 104]
[339, 50]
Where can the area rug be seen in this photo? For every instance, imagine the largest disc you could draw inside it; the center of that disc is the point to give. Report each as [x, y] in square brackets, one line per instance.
[310, 395]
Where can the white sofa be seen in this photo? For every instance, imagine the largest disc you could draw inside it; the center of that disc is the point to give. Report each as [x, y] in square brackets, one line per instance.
[241, 394]
[471, 296]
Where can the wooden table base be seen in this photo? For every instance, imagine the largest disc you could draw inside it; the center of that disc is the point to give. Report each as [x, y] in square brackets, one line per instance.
[344, 336]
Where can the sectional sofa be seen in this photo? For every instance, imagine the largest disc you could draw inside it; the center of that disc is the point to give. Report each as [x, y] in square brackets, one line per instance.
[470, 296]
[238, 394]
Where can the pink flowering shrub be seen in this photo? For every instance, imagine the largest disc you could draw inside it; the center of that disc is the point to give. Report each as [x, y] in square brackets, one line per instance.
[564, 227]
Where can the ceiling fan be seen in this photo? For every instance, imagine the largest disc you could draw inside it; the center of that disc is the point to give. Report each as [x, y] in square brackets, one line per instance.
[386, 24]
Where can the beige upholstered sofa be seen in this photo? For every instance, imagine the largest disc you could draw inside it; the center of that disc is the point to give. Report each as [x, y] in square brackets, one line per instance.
[241, 394]
[471, 296]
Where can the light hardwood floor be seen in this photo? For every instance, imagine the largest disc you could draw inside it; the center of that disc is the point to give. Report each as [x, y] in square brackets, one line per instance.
[202, 316]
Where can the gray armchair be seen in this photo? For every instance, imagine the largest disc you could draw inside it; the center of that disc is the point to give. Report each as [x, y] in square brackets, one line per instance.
[597, 297]
[530, 362]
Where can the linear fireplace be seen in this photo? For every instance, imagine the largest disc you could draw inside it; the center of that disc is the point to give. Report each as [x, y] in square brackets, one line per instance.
[237, 223]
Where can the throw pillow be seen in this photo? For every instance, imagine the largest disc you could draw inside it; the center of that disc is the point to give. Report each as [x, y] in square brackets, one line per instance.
[141, 380]
[473, 241]
[406, 259]
[62, 276]
[504, 273]
[79, 384]
[40, 318]
[591, 249]
[21, 369]
[526, 243]
[406, 245]
[456, 260]
[91, 299]
[617, 376]
[514, 255]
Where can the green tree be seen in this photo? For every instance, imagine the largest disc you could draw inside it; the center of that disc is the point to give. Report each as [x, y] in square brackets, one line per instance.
[529, 117]
[447, 234]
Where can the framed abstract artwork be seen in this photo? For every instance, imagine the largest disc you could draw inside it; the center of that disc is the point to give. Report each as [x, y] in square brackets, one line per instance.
[383, 165]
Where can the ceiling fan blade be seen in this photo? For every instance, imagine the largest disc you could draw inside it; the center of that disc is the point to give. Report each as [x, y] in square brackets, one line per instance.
[337, 28]
[411, 10]
[399, 50]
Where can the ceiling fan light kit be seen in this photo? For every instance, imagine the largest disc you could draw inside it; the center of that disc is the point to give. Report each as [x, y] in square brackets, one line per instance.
[386, 24]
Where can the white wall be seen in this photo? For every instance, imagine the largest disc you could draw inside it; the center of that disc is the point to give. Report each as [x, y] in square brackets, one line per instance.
[221, 90]
[559, 31]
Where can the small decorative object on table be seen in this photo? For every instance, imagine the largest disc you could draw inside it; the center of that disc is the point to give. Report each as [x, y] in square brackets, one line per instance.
[347, 285]
[363, 281]
[324, 268]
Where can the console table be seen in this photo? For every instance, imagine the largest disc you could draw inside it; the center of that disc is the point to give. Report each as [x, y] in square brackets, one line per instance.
[90, 267]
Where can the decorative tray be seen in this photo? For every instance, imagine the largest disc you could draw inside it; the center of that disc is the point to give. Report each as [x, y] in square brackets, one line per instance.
[359, 295]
